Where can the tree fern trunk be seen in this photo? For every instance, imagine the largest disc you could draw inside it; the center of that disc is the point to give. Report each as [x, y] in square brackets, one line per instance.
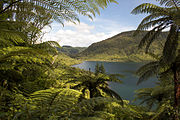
[1, 5]
[176, 89]
[91, 93]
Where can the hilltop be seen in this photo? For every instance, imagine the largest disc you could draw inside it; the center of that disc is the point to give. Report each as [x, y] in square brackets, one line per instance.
[121, 47]
[71, 51]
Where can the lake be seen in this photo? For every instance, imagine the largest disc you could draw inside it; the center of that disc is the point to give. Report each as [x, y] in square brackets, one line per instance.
[125, 90]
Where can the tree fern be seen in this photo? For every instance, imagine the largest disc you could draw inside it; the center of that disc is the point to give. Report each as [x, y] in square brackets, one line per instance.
[95, 84]
[65, 9]
[159, 18]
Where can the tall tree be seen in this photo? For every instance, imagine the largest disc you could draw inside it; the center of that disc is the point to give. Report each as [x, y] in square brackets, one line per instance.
[97, 69]
[102, 69]
[160, 18]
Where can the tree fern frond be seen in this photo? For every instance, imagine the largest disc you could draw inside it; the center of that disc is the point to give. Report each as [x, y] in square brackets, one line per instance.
[88, 105]
[147, 71]
[20, 51]
[169, 3]
[162, 90]
[144, 25]
[112, 93]
[89, 118]
[165, 107]
[48, 46]
[152, 38]
[65, 9]
[156, 57]
[170, 48]
[9, 35]
[148, 8]
[115, 78]
[149, 22]
[55, 100]
[51, 102]
[104, 115]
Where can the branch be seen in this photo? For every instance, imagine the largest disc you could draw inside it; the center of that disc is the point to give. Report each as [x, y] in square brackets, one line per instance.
[2, 11]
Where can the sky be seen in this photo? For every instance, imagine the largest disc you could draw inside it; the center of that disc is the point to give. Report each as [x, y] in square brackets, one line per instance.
[114, 19]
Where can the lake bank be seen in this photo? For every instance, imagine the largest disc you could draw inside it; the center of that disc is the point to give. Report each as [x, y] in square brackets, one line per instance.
[117, 58]
[125, 90]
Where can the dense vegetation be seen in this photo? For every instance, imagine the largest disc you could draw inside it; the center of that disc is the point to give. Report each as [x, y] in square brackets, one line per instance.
[37, 83]
[166, 67]
[121, 47]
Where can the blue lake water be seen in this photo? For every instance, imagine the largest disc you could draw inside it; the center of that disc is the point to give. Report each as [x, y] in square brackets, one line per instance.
[125, 90]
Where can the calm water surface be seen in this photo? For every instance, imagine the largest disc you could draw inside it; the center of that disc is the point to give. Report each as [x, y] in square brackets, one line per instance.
[125, 90]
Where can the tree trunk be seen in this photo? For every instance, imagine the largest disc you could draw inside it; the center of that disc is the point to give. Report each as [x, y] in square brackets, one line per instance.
[91, 93]
[176, 91]
[1, 5]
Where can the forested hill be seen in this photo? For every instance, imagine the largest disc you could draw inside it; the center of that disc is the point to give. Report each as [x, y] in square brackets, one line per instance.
[121, 47]
[71, 51]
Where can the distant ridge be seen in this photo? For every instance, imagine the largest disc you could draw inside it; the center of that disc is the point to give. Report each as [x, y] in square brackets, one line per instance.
[121, 47]
[70, 51]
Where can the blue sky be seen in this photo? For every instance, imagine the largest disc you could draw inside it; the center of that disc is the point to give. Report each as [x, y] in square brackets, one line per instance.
[114, 19]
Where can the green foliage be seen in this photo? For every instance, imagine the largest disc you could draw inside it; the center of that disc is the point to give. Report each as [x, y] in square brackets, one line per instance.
[10, 35]
[97, 70]
[59, 10]
[63, 104]
[102, 69]
[165, 95]
[37, 83]
[160, 18]
[95, 85]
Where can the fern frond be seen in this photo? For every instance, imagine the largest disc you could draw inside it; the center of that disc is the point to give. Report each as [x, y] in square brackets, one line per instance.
[9, 35]
[150, 37]
[48, 46]
[147, 70]
[166, 107]
[9, 52]
[149, 9]
[111, 93]
[66, 10]
[86, 107]
[169, 3]
[170, 48]
[150, 21]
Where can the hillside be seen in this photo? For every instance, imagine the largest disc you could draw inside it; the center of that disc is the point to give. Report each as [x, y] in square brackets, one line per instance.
[121, 47]
[71, 51]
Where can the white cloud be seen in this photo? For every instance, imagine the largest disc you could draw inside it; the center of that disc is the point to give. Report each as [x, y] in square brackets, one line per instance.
[82, 34]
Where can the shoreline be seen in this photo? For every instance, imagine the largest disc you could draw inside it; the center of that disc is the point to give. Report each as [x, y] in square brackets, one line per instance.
[109, 61]
[122, 61]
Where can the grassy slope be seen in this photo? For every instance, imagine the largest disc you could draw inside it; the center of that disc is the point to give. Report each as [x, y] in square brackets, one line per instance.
[121, 47]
